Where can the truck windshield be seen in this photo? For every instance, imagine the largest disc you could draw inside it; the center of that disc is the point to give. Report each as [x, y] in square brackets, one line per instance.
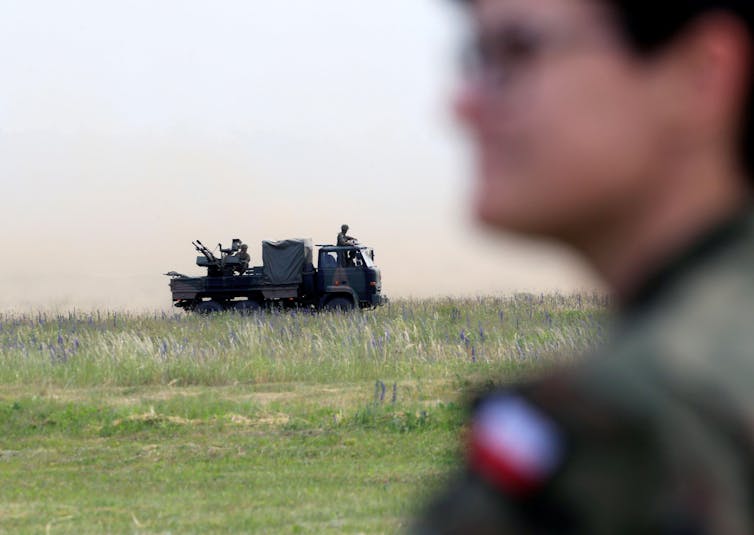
[366, 254]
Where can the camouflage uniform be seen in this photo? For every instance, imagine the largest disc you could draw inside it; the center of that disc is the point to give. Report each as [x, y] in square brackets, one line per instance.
[344, 239]
[653, 435]
[244, 258]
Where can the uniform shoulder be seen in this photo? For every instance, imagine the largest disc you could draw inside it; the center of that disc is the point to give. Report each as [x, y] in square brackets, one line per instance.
[708, 306]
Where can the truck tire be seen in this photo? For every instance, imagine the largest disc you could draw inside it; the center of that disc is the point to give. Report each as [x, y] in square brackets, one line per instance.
[339, 304]
[205, 308]
[246, 308]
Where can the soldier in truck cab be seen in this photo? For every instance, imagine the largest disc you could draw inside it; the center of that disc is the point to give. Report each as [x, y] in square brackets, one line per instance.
[344, 239]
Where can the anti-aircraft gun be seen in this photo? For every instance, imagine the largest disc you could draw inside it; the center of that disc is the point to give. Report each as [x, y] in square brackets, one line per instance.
[225, 266]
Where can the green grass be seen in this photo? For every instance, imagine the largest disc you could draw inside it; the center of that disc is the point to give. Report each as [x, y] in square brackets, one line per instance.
[279, 423]
[226, 460]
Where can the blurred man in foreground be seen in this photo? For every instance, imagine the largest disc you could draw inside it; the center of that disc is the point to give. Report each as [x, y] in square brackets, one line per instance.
[624, 129]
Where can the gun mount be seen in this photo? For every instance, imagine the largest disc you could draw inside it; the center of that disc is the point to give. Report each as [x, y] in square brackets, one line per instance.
[224, 266]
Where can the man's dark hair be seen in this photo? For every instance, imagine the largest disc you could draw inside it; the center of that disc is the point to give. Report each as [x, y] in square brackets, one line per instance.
[649, 26]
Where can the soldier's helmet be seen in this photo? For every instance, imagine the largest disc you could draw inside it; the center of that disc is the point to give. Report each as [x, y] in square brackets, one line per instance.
[344, 228]
[244, 246]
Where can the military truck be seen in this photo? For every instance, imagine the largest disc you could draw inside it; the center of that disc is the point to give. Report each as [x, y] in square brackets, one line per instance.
[345, 278]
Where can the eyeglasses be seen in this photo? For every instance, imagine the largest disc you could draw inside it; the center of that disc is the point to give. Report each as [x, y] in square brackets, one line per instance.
[497, 58]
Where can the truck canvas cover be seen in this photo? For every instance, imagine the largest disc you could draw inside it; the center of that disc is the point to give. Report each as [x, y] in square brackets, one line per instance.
[285, 260]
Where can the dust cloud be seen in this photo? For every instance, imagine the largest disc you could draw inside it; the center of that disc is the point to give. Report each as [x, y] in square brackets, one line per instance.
[120, 213]
[154, 124]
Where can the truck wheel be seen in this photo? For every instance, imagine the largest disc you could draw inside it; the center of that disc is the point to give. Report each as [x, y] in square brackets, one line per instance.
[339, 304]
[246, 308]
[206, 308]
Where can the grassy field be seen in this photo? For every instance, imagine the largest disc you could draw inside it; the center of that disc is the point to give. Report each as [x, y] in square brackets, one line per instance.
[276, 423]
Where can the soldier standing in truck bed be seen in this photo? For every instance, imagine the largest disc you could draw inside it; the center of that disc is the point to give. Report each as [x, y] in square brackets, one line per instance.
[625, 130]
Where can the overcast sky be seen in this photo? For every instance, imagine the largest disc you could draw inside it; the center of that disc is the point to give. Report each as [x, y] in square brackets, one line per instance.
[129, 128]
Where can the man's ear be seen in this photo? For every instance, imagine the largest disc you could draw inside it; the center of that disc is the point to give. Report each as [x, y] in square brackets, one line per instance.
[713, 69]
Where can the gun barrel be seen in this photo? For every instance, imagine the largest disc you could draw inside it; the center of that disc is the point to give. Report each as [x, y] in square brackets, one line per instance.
[199, 246]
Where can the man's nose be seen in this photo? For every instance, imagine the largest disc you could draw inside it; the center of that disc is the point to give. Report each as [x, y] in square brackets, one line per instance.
[468, 103]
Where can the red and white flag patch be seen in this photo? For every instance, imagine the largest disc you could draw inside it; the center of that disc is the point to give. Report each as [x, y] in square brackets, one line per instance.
[514, 445]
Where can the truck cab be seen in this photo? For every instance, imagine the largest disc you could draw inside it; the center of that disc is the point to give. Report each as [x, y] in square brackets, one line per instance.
[348, 274]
